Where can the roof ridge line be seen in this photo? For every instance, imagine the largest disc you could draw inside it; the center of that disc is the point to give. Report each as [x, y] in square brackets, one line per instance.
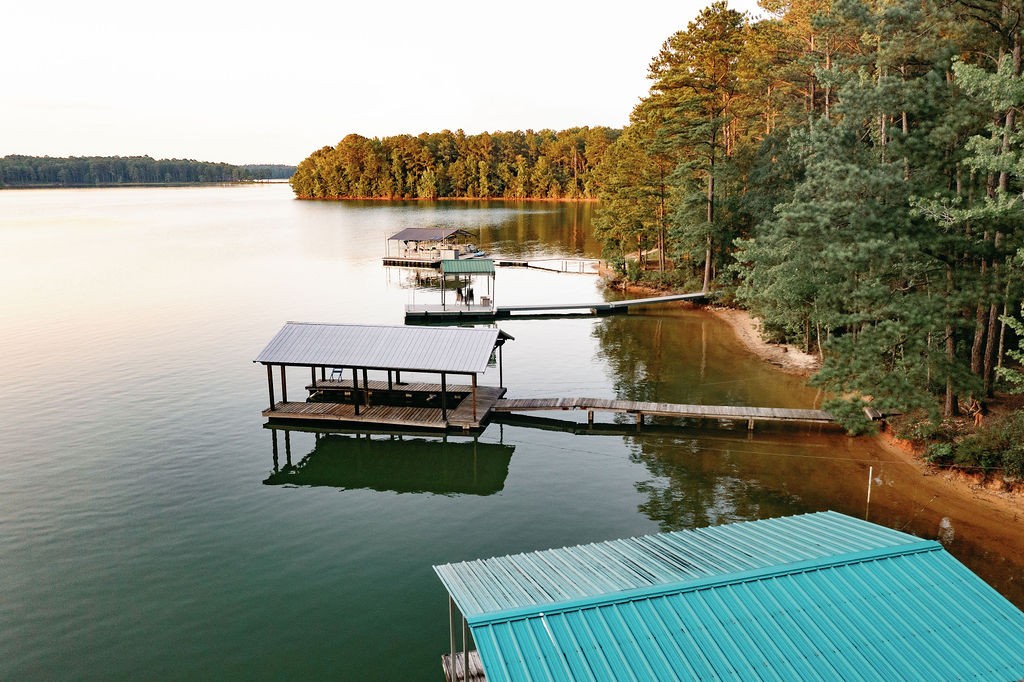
[710, 582]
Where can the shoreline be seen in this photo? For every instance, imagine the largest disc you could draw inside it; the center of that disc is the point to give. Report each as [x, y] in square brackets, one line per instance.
[785, 357]
[994, 503]
[969, 488]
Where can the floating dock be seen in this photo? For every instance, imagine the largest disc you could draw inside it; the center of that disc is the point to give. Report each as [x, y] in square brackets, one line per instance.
[486, 313]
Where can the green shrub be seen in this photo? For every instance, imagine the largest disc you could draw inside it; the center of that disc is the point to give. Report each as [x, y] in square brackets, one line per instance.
[939, 453]
[998, 445]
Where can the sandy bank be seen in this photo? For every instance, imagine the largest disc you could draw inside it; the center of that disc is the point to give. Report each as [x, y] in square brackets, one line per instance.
[786, 357]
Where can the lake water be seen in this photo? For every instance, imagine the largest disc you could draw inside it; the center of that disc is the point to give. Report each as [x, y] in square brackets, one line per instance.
[146, 530]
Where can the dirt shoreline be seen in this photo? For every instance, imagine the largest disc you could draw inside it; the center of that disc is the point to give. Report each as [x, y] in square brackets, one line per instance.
[786, 357]
[996, 504]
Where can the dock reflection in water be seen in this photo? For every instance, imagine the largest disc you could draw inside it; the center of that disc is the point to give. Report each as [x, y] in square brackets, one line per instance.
[397, 463]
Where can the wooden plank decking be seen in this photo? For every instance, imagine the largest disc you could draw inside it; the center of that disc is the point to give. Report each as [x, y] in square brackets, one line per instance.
[744, 413]
[460, 415]
[476, 669]
[419, 417]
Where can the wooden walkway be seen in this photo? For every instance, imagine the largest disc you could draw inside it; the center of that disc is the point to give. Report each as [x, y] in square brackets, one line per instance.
[644, 409]
[414, 312]
[476, 669]
[584, 266]
[460, 415]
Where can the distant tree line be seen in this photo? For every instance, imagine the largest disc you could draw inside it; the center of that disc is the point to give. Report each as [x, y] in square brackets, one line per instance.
[268, 171]
[510, 165]
[90, 171]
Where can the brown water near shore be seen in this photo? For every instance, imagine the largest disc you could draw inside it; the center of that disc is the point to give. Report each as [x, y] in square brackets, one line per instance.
[989, 522]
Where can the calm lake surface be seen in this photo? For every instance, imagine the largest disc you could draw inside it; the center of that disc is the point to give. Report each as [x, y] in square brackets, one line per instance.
[146, 530]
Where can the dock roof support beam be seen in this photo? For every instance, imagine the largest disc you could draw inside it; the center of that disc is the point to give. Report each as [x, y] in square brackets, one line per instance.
[444, 396]
[270, 384]
[355, 389]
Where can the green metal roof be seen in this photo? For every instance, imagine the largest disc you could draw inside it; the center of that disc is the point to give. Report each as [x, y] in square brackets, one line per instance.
[819, 596]
[468, 266]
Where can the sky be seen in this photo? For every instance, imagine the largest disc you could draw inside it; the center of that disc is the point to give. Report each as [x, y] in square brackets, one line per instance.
[270, 82]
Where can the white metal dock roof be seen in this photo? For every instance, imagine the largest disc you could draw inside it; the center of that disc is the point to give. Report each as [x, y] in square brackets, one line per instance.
[414, 349]
[426, 234]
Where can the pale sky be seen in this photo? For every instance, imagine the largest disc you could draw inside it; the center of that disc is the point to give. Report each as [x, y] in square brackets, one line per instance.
[269, 82]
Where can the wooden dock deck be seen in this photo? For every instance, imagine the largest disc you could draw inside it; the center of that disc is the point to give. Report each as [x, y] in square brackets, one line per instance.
[652, 409]
[460, 416]
[435, 312]
[456, 671]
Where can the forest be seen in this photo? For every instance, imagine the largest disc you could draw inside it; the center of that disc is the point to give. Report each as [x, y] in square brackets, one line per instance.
[92, 171]
[850, 171]
[509, 165]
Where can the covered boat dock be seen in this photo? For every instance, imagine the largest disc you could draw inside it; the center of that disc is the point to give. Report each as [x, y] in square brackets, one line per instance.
[426, 247]
[819, 596]
[469, 304]
[340, 358]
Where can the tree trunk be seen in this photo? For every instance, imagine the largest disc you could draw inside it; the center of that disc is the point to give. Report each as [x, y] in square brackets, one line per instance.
[711, 218]
[951, 408]
[979, 340]
[990, 350]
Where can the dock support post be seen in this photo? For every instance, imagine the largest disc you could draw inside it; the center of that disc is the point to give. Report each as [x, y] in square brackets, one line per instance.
[273, 445]
[750, 424]
[639, 421]
[474, 397]
[451, 635]
[501, 367]
[444, 397]
[284, 385]
[590, 418]
[366, 389]
[312, 376]
[270, 385]
[465, 651]
[355, 389]
[390, 385]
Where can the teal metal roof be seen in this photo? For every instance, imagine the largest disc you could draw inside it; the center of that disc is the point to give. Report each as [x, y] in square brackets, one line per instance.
[819, 596]
[468, 266]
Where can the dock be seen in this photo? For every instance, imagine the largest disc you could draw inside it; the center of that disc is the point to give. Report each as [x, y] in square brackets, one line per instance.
[454, 666]
[463, 416]
[482, 313]
[651, 409]
[389, 350]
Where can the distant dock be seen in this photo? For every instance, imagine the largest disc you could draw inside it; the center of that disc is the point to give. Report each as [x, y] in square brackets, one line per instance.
[486, 313]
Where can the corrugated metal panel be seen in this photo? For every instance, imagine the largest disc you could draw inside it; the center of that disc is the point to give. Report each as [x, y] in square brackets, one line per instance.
[882, 605]
[468, 266]
[425, 234]
[556, 575]
[426, 349]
